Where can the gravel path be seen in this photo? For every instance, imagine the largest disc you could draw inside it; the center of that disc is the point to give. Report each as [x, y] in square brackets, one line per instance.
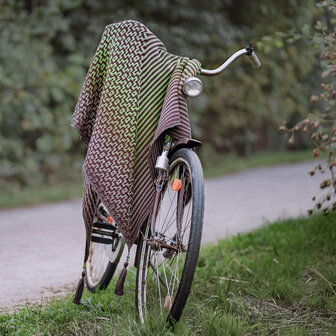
[41, 248]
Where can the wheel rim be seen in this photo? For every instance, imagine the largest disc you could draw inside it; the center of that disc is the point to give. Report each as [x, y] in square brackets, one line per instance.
[97, 263]
[162, 268]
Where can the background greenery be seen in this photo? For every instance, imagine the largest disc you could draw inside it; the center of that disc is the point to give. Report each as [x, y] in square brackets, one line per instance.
[47, 46]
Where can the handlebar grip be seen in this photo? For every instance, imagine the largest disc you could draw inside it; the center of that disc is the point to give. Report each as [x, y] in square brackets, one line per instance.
[255, 60]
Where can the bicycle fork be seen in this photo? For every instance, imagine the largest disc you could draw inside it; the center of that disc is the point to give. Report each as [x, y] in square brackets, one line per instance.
[162, 164]
[156, 241]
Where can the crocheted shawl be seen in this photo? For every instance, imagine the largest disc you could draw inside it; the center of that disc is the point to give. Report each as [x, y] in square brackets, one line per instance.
[131, 98]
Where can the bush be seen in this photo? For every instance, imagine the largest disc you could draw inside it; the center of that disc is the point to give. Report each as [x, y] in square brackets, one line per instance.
[38, 91]
[321, 123]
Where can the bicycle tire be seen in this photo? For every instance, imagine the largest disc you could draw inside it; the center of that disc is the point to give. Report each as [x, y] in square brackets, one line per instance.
[105, 279]
[102, 263]
[144, 301]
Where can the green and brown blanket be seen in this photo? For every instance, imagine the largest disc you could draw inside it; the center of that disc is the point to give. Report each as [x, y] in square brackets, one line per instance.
[131, 98]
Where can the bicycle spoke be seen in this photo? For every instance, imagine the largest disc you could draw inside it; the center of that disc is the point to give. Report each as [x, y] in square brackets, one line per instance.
[160, 278]
[172, 213]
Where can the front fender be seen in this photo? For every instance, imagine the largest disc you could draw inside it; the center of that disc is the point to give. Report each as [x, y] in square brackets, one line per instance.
[184, 143]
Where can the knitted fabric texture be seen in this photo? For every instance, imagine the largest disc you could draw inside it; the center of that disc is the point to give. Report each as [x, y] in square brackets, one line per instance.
[131, 99]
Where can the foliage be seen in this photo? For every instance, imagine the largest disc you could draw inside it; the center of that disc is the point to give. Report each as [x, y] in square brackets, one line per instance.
[46, 48]
[321, 123]
[241, 109]
[248, 104]
[259, 283]
[37, 92]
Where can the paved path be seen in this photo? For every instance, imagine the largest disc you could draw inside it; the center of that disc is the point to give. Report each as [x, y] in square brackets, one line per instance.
[41, 248]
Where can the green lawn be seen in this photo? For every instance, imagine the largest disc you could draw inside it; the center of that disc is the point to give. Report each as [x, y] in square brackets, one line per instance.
[46, 193]
[230, 163]
[12, 197]
[278, 280]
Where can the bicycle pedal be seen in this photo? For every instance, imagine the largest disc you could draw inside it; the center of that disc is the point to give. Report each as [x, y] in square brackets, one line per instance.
[103, 233]
[101, 240]
[104, 225]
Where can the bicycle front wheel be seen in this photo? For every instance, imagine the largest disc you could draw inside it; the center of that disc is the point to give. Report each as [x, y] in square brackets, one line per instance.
[167, 261]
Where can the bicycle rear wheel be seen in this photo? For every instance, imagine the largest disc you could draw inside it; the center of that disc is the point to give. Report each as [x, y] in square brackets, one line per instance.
[167, 262]
[103, 258]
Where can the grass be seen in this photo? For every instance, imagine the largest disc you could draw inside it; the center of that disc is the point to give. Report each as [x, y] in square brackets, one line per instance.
[230, 163]
[278, 280]
[46, 193]
[225, 164]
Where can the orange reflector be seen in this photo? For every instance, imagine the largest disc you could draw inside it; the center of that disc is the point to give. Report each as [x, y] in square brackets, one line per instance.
[176, 185]
[110, 219]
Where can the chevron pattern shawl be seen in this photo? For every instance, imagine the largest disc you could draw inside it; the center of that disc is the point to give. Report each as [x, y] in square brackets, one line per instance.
[131, 98]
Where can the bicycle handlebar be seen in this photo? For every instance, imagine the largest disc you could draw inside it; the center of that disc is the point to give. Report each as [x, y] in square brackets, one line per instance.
[255, 60]
[246, 51]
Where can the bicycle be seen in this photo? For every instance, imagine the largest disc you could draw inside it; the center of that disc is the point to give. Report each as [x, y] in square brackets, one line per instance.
[169, 242]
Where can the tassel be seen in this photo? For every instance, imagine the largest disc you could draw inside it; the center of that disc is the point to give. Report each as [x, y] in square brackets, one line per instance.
[80, 288]
[119, 289]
